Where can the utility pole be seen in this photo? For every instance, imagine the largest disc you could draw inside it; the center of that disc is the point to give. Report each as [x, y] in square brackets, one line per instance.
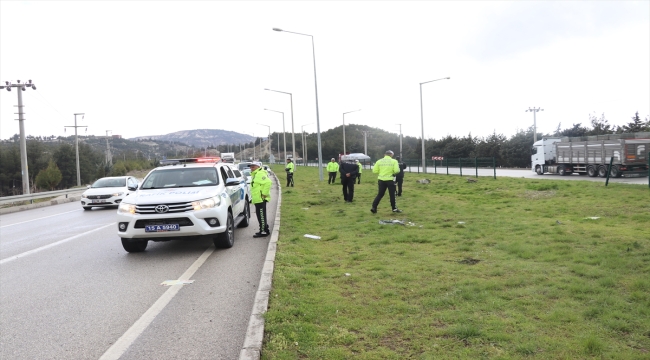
[76, 144]
[534, 111]
[365, 141]
[109, 157]
[400, 142]
[23, 143]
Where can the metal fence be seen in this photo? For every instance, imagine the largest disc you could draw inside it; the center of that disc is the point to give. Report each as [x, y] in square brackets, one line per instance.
[470, 166]
[39, 195]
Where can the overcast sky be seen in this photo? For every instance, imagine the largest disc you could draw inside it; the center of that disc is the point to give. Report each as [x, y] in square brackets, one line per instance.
[155, 67]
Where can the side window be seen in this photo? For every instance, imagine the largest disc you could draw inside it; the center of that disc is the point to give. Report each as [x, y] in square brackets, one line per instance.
[237, 173]
[230, 174]
[224, 174]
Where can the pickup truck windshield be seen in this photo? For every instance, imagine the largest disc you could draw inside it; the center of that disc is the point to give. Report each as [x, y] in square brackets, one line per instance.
[181, 177]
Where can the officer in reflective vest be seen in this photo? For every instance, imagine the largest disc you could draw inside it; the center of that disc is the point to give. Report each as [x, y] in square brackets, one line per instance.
[386, 169]
[261, 194]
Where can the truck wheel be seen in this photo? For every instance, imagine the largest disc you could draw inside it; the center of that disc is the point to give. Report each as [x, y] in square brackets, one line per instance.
[602, 171]
[247, 215]
[591, 171]
[615, 172]
[539, 170]
[134, 245]
[561, 170]
[226, 239]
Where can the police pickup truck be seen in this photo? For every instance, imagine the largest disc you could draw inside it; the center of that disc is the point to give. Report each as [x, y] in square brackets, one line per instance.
[185, 199]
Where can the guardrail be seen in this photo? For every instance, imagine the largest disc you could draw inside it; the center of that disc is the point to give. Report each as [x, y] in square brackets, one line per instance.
[40, 195]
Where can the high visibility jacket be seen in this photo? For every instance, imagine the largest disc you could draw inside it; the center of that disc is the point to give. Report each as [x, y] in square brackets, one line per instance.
[289, 167]
[332, 166]
[386, 168]
[360, 168]
[260, 185]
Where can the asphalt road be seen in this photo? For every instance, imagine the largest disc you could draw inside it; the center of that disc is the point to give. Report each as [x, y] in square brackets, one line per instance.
[68, 290]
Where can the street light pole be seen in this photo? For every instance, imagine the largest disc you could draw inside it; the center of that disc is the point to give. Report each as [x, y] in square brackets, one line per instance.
[424, 168]
[293, 134]
[344, 152]
[76, 145]
[304, 144]
[320, 151]
[534, 111]
[21, 124]
[400, 142]
[284, 134]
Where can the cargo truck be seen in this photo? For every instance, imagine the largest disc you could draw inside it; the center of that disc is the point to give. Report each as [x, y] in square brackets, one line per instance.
[590, 155]
[228, 157]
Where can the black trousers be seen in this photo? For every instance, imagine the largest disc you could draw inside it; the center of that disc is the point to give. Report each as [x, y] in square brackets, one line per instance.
[289, 179]
[332, 178]
[383, 185]
[398, 183]
[260, 212]
[348, 188]
[359, 178]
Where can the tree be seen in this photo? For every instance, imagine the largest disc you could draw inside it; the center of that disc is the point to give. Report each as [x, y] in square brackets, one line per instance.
[636, 125]
[599, 126]
[50, 177]
[516, 150]
[576, 130]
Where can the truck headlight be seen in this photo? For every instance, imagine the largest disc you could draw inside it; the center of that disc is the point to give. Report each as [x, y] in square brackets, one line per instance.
[206, 203]
[126, 208]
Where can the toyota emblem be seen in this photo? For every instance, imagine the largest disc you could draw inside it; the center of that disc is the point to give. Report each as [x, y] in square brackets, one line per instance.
[162, 209]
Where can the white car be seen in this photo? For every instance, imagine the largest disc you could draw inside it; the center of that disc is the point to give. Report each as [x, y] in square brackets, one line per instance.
[185, 200]
[108, 191]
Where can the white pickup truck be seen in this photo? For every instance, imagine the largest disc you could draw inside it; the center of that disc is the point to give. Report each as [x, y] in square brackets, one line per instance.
[187, 199]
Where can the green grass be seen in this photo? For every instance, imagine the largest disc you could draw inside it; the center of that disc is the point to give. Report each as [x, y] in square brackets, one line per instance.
[502, 268]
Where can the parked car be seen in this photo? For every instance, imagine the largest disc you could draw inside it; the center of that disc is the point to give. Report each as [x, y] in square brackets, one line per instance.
[108, 191]
[247, 175]
[187, 199]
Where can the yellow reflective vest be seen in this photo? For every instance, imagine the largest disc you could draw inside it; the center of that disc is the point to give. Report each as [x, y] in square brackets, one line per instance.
[260, 185]
[386, 168]
[332, 166]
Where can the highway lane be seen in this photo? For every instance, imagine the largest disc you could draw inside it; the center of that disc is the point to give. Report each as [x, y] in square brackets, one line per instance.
[82, 292]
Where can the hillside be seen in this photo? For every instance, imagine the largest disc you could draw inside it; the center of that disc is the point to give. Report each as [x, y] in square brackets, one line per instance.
[201, 137]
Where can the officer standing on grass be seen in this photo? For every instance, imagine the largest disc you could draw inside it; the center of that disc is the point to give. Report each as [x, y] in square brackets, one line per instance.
[386, 169]
[349, 171]
[289, 169]
[332, 169]
[261, 194]
[399, 178]
[360, 171]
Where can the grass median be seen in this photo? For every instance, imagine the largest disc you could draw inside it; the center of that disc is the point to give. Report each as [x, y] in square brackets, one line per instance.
[499, 268]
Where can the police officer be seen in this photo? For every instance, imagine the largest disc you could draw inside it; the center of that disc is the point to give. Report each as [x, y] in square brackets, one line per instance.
[289, 169]
[261, 194]
[332, 169]
[349, 171]
[399, 178]
[360, 171]
[386, 169]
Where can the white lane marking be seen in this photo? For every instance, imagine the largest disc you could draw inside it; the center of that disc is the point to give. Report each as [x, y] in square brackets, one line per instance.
[30, 252]
[40, 218]
[128, 338]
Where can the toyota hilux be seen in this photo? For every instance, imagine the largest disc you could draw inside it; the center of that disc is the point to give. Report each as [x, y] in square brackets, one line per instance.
[186, 199]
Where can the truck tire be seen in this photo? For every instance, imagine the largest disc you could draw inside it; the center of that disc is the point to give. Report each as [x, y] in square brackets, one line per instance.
[539, 170]
[561, 170]
[134, 245]
[602, 171]
[591, 171]
[226, 239]
[615, 172]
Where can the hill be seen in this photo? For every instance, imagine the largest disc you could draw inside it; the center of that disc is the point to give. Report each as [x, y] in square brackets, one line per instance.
[201, 137]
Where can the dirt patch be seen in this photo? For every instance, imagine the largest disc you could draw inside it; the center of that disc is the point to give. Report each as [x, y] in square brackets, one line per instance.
[469, 261]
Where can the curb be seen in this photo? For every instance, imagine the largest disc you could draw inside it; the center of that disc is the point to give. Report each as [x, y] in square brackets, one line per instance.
[38, 205]
[252, 348]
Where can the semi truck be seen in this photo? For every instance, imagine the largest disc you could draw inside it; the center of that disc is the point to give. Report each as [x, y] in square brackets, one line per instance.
[591, 155]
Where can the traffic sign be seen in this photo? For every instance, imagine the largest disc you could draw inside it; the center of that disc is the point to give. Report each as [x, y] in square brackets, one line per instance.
[437, 158]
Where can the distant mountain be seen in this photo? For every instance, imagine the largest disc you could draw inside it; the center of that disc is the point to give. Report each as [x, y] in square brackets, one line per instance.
[202, 137]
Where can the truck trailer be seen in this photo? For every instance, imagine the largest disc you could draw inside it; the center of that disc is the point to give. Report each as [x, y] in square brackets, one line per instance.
[590, 155]
[228, 157]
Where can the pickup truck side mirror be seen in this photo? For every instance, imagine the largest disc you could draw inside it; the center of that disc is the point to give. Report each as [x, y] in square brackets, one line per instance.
[133, 188]
[232, 182]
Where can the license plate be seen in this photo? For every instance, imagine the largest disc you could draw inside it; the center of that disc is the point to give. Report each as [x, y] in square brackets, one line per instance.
[99, 201]
[162, 228]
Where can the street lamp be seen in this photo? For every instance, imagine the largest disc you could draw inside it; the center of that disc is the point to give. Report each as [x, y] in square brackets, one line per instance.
[284, 134]
[293, 136]
[269, 140]
[344, 128]
[320, 151]
[534, 111]
[304, 144]
[424, 168]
